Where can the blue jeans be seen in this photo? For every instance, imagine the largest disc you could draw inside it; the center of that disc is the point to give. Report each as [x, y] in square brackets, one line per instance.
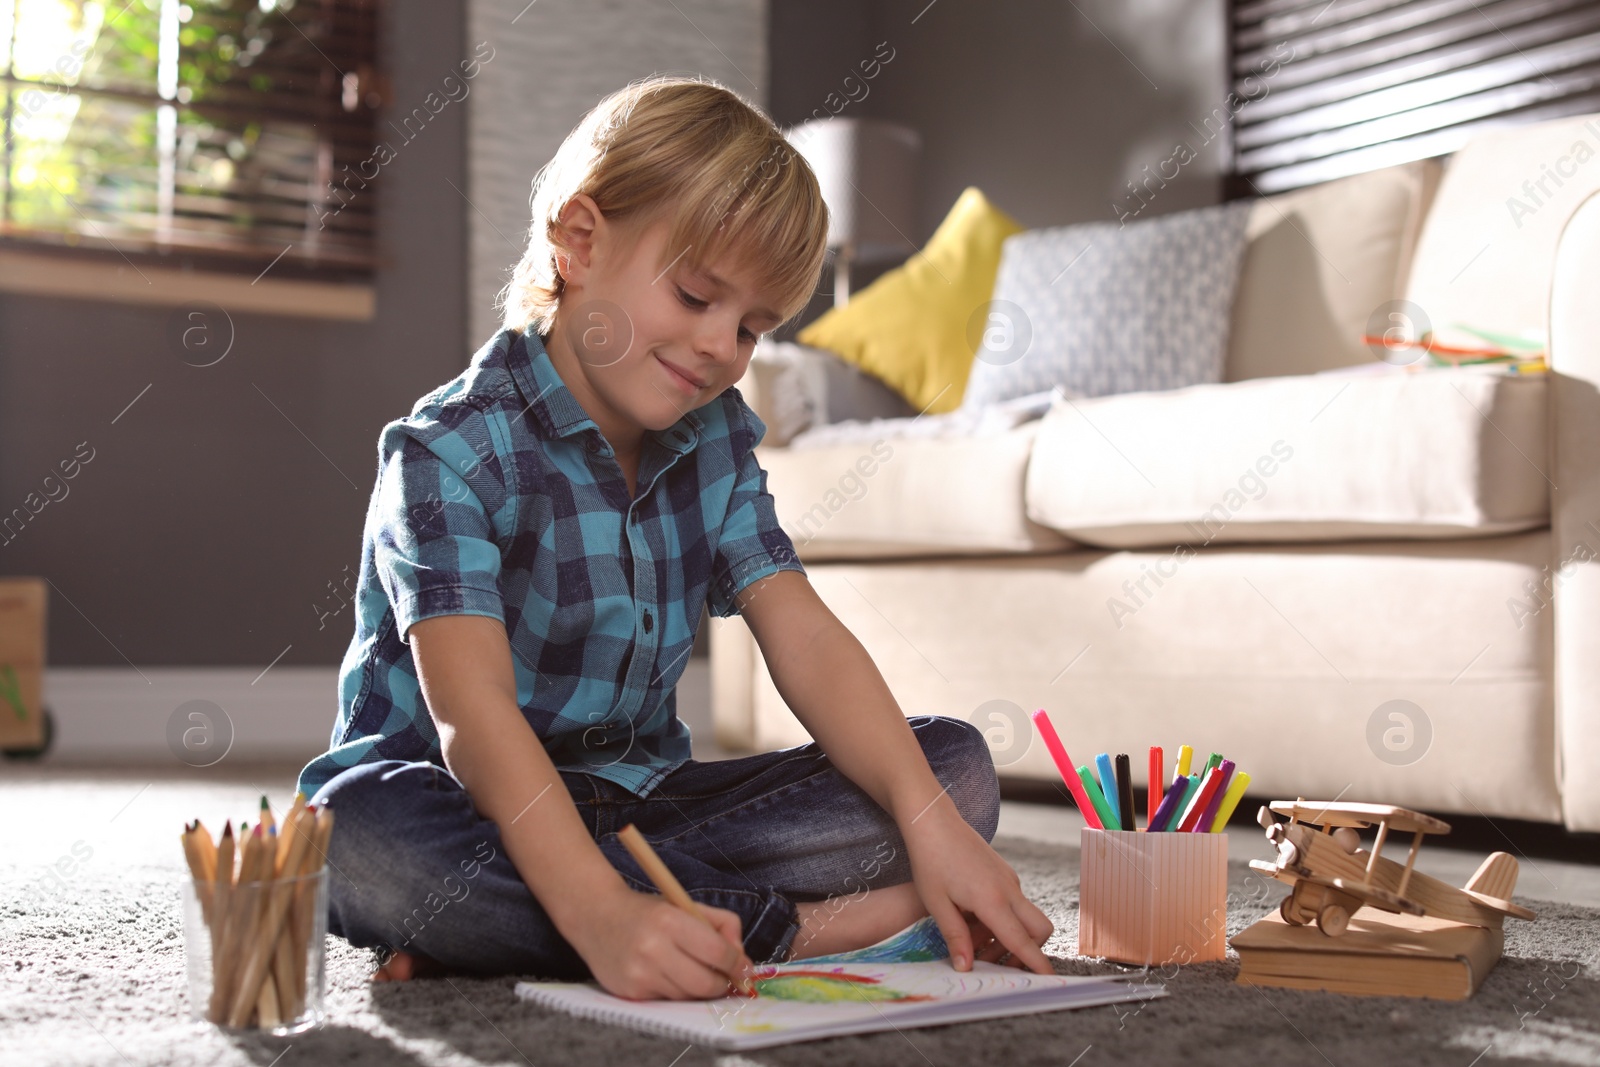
[413, 866]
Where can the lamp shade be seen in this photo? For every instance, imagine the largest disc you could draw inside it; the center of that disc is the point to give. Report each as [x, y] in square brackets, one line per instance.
[867, 169]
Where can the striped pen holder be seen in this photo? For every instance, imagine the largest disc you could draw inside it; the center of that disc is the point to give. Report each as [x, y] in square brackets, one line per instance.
[1153, 899]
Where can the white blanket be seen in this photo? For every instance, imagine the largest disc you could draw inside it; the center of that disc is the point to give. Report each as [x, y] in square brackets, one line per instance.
[989, 419]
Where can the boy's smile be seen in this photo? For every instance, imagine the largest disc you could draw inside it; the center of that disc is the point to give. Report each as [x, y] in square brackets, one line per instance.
[639, 344]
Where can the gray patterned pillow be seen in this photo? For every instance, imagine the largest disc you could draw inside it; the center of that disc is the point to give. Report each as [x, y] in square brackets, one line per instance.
[1102, 308]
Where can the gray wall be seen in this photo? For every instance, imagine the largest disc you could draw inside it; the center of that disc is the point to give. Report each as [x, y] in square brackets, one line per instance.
[568, 54]
[1048, 106]
[206, 527]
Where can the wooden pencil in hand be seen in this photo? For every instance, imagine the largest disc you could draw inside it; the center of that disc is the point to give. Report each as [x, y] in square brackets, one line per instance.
[672, 889]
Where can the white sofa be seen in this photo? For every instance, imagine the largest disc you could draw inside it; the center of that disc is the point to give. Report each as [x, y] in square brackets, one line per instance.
[1262, 567]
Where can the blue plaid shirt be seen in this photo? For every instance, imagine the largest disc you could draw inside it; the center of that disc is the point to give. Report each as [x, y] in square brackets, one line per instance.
[499, 496]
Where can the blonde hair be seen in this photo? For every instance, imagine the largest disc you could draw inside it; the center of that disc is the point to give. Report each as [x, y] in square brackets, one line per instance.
[694, 148]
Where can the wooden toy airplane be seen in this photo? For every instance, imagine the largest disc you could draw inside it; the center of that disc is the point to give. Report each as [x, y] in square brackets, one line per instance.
[1332, 876]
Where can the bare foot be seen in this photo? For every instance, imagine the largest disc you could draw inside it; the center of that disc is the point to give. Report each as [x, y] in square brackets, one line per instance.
[839, 924]
[404, 966]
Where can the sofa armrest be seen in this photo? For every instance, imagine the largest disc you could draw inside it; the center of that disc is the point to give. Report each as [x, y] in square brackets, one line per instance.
[1574, 582]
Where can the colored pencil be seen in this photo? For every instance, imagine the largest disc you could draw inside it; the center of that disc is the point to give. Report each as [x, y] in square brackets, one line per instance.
[304, 911]
[258, 904]
[284, 840]
[262, 948]
[266, 1007]
[299, 825]
[222, 891]
[241, 908]
[202, 862]
[207, 849]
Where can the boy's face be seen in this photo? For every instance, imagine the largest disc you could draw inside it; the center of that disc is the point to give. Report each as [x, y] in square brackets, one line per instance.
[650, 342]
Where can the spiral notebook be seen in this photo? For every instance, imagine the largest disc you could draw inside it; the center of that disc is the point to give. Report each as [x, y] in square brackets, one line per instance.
[902, 982]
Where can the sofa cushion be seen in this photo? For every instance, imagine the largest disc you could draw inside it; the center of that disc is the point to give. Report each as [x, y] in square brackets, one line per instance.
[909, 327]
[1318, 263]
[1100, 308]
[1380, 453]
[907, 497]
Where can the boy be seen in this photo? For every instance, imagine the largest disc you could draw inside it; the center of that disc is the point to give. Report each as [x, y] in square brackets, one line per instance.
[543, 533]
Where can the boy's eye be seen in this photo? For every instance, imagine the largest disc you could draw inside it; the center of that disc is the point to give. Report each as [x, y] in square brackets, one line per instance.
[745, 333]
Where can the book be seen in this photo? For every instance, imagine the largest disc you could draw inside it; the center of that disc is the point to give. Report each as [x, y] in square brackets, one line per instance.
[902, 982]
[1379, 955]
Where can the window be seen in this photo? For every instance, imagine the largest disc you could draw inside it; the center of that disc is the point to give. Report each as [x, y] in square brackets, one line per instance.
[1323, 89]
[209, 133]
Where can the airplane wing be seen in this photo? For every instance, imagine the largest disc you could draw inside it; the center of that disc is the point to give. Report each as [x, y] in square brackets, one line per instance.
[1332, 813]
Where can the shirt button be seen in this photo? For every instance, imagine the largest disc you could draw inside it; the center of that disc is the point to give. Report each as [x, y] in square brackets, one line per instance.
[591, 444]
[680, 435]
[648, 622]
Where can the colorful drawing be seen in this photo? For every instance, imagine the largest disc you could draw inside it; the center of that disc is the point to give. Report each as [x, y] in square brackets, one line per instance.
[917, 943]
[800, 1001]
[827, 987]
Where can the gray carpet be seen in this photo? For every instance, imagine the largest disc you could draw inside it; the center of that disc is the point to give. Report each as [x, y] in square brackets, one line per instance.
[91, 972]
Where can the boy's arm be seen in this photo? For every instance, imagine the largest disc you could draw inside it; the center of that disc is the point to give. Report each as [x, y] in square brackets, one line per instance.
[834, 688]
[636, 944]
[831, 684]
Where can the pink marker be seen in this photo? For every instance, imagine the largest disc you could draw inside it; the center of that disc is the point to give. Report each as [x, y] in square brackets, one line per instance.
[1069, 773]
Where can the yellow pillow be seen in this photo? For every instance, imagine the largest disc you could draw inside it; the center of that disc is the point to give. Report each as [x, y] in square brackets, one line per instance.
[910, 327]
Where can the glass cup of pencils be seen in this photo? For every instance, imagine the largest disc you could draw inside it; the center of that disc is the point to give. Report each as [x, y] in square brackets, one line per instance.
[255, 920]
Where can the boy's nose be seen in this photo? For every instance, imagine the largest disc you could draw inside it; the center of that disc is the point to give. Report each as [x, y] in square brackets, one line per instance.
[719, 349]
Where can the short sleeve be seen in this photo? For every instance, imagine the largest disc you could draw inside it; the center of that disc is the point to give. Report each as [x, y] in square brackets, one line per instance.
[752, 545]
[434, 545]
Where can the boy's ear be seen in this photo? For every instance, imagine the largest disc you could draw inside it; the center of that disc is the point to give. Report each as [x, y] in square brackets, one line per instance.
[579, 219]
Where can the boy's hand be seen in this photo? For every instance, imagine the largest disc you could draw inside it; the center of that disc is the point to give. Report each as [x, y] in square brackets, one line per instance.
[643, 948]
[973, 894]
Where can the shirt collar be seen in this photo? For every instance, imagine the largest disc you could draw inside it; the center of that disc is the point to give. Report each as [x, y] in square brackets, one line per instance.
[559, 412]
